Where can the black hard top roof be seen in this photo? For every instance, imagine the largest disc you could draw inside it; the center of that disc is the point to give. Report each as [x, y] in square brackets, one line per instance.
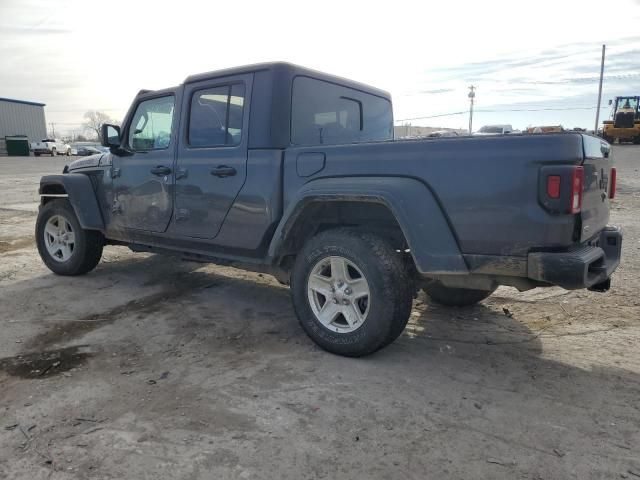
[292, 71]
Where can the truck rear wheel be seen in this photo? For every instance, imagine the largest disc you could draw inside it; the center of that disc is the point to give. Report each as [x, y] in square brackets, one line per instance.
[455, 297]
[65, 248]
[351, 291]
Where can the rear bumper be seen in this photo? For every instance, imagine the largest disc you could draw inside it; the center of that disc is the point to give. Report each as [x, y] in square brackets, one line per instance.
[40, 150]
[587, 266]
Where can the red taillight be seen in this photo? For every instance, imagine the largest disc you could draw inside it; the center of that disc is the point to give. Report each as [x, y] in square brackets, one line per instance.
[553, 186]
[612, 185]
[577, 182]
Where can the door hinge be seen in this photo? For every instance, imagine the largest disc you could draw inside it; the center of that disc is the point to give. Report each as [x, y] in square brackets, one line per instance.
[114, 172]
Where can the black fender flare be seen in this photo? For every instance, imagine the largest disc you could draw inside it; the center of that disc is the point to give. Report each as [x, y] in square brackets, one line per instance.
[429, 235]
[81, 194]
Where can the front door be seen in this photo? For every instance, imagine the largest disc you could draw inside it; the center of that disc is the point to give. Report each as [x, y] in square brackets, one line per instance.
[143, 181]
[212, 153]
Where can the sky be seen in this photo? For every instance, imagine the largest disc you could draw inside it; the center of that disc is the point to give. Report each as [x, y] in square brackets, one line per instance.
[533, 63]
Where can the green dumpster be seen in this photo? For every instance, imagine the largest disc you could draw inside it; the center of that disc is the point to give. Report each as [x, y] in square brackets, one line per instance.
[17, 146]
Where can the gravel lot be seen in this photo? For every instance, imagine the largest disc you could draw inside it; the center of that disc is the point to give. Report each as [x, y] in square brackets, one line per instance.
[150, 367]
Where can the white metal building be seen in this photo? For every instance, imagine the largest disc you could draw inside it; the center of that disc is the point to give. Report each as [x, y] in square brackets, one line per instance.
[21, 118]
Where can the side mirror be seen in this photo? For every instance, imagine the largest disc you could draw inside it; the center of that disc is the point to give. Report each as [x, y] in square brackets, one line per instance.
[110, 135]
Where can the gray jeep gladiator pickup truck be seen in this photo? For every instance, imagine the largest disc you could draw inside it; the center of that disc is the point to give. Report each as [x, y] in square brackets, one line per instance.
[280, 169]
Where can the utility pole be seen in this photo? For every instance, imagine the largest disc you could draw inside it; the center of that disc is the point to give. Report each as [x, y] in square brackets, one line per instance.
[472, 96]
[53, 129]
[595, 130]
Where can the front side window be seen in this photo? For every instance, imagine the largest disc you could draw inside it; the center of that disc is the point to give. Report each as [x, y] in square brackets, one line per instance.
[324, 113]
[151, 125]
[216, 116]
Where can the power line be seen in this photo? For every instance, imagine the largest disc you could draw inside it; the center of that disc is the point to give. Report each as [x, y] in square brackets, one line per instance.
[539, 109]
[431, 116]
[498, 111]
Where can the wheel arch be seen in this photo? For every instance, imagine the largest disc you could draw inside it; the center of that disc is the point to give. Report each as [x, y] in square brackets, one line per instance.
[405, 208]
[79, 190]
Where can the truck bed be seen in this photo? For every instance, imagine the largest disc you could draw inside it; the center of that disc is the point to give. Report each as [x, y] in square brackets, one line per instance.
[487, 187]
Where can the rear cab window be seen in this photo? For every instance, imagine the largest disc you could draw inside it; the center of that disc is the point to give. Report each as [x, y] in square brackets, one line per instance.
[324, 113]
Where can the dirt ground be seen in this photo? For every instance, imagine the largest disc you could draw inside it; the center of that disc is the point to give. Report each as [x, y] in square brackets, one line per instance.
[154, 368]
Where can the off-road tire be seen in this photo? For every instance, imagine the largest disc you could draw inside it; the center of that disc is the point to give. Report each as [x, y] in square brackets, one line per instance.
[390, 283]
[53, 152]
[68, 152]
[455, 297]
[88, 243]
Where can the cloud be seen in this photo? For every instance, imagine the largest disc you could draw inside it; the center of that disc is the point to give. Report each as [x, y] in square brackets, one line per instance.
[53, 50]
[32, 30]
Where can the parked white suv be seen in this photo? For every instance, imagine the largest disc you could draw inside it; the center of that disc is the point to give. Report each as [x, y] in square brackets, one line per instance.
[50, 146]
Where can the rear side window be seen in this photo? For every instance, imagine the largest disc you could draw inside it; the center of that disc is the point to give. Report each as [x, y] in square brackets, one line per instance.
[215, 118]
[323, 113]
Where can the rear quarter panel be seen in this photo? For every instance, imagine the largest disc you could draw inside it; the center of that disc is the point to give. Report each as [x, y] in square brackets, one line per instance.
[487, 187]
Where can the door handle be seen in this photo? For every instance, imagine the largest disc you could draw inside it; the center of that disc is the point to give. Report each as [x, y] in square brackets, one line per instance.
[223, 171]
[161, 170]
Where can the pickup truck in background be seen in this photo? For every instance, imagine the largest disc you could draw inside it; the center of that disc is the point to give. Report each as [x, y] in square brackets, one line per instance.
[280, 169]
[50, 146]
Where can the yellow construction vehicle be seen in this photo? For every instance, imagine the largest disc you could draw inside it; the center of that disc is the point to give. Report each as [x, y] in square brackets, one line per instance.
[624, 125]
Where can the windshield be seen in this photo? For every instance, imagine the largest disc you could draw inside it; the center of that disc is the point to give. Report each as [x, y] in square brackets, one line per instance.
[627, 103]
[489, 129]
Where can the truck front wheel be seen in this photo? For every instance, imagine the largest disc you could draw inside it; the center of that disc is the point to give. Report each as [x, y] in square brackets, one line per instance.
[455, 297]
[65, 248]
[351, 291]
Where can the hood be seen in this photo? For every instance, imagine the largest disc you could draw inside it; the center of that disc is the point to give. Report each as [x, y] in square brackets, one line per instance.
[84, 162]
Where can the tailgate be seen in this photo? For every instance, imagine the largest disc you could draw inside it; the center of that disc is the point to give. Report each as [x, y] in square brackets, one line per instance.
[597, 184]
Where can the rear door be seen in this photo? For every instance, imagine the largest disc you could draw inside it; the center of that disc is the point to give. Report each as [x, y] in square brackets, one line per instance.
[597, 184]
[212, 153]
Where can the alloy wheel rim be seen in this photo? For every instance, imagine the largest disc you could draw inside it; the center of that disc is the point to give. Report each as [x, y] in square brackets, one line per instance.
[59, 238]
[339, 294]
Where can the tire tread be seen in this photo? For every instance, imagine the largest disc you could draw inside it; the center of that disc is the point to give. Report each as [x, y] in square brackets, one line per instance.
[398, 283]
[90, 253]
